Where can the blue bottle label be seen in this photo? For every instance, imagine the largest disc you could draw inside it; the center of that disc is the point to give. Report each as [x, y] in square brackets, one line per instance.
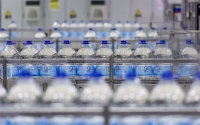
[128, 34]
[99, 34]
[8, 70]
[81, 34]
[47, 70]
[122, 70]
[159, 69]
[14, 34]
[144, 70]
[187, 70]
[33, 69]
[16, 70]
[103, 69]
[85, 70]
[106, 34]
[70, 70]
[65, 34]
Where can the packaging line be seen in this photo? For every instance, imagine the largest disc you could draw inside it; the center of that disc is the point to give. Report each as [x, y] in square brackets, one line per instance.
[111, 62]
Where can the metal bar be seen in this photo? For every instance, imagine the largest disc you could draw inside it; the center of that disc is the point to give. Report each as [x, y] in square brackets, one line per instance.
[57, 61]
[9, 33]
[57, 45]
[155, 61]
[154, 110]
[5, 73]
[111, 71]
[113, 45]
[106, 115]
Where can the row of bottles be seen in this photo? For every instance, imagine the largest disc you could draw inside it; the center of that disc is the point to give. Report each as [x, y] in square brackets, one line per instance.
[82, 70]
[97, 91]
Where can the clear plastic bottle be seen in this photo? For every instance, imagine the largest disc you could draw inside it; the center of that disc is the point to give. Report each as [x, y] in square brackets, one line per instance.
[167, 91]
[62, 90]
[67, 53]
[140, 35]
[13, 26]
[81, 29]
[40, 36]
[119, 26]
[106, 29]
[104, 52]
[131, 91]
[97, 91]
[115, 36]
[55, 35]
[162, 52]
[166, 36]
[84, 70]
[193, 95]
[56, 24]
[65, 29]
[91, 36]
[144, 70]
[73, 30]
[99, 29]
[188, 70]
[123, 52]
[10, 52]
[29, 52]
[153, 36]
[128, 30]
[3, 36]
[48, 52]
[26, 90]
[90, 24]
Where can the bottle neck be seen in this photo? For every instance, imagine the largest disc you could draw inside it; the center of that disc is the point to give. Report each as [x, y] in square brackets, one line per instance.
[86, 46]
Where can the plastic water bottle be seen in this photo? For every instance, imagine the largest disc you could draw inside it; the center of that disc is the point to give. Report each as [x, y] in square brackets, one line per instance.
[67, 53]
[91, 36]
[166, 36]
[55, 35]
[84, 70]
[65, 29]
[29, 52]
[73, 30]
[119, 26]
[193, 95]
[128, 30]
[140, 35]
[48, 52]
[123, 52]
[99, 29]
[40, 36]
[152, 35]
[131, 91]
[81, 29]
[188, 70]
[106, 29]
[144, 70]
[10, 52]
[56, 24]
[115, 36]
[26, 90]
[104, 52]
[135, 26]
[167, 91]
[162, 52]
[3, 37]
[62, 90]
[97, 91]
[90, 24]
[13, 27]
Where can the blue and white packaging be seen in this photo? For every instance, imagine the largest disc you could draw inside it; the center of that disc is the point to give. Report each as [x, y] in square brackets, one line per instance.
[123, 52]
[143, 70]
[67, 53]
[162, 52]
[104, 52]
[188, 70]
[85, 70]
